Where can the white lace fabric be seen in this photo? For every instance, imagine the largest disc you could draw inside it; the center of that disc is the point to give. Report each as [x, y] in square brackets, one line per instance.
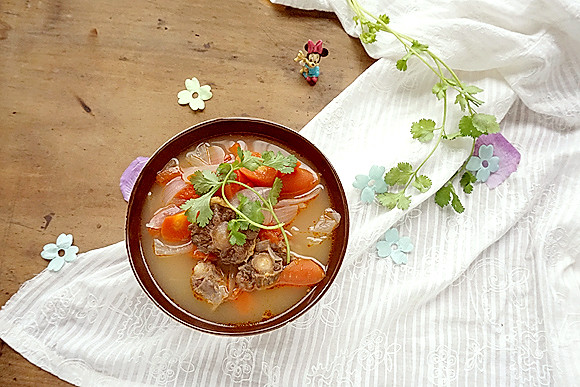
[489, 297]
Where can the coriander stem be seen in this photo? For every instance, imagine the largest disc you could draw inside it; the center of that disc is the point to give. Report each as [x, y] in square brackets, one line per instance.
[240, 213]
[279, 225]
[362, 14]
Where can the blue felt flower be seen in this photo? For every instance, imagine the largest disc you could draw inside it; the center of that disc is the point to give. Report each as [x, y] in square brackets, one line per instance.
[60, 252]
[371, 184]
[485, 164]
[394, 246]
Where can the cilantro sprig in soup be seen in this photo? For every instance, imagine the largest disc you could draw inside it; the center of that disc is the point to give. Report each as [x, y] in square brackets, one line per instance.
[238, 230]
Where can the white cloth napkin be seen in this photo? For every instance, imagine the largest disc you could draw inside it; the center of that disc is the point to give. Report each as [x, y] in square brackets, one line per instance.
[489, 297]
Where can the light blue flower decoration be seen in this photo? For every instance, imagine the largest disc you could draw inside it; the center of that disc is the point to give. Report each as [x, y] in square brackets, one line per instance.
[394, 246]
[371, 184]
[60, 252]
[485, 164]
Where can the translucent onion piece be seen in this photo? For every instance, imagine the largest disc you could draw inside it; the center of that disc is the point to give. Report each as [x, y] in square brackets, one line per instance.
[264, 191]
[174, 162]
[191, 170]
[326, 223]
[162, 249]
[206, 154]
[300, 199]
[160, 215]
[171, 189]
[284, 214]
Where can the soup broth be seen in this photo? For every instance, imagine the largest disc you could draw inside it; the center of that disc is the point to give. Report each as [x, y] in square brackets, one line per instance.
[173, 273]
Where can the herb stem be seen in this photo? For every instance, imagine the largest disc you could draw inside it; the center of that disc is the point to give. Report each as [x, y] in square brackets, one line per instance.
[279, 225]
[405, 39]
[240, 213]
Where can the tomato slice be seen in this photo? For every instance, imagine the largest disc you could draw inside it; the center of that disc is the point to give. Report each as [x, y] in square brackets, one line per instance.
[187, 192]
[165, 176]
[232, 189]
[274, 236]
[298, 182]
[263, 176]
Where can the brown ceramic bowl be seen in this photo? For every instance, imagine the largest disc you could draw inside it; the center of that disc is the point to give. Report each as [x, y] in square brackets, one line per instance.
[202, 132]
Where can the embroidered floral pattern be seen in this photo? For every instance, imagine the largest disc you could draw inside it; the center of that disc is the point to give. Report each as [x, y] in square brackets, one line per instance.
[60, 252]
[323, 312]
[371, 184]
[239, 361]
[164, 366]
[194, 94]
[373, 352]
[144, 318]
[442, 364]
[394, 246]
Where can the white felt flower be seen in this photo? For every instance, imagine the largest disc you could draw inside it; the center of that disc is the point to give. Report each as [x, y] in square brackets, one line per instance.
[60, 252]
[194, 95]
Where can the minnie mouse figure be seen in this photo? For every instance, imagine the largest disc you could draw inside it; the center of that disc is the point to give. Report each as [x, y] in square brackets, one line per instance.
[310, 62]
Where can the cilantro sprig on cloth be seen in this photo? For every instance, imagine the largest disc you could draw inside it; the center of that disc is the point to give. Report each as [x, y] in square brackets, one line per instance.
[473, 124]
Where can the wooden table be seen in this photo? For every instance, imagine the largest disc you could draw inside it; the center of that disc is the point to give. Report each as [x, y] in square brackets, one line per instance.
[87, 86]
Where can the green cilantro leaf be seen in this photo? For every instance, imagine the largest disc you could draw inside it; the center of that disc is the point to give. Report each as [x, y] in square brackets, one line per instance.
[399, 174]
[403, 202]
[456, 203]
[388, 199]
[447, 194]
[204, 181]
[247, 160]
[236, 237]
[467, 129]
[252, 209]
[461, 101]
[279, 162]
[467, 181]
[423, 130]
[419, 47]
[392, 200]
[368, 37]
[275, 191]
[422, 183]
[440, 89]
[485, 123]
[385, 19]
[443, 195]
[471, 89]
[402, 65]
[223, 169]
[198, 210]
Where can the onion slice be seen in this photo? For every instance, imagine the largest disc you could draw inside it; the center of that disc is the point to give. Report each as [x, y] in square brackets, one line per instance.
[251, 195]
[163, 249]
[160, 215]
[300, 199]
[284, 214]
[326, 223]
[171, 189]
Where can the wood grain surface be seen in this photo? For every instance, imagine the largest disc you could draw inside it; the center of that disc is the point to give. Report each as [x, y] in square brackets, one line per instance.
[87, 86]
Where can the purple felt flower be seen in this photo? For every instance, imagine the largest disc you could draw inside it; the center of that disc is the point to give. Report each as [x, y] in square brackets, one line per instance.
[129, 177]
[509, 157]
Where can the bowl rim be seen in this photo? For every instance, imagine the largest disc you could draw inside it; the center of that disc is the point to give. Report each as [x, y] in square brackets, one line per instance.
[157, 161]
